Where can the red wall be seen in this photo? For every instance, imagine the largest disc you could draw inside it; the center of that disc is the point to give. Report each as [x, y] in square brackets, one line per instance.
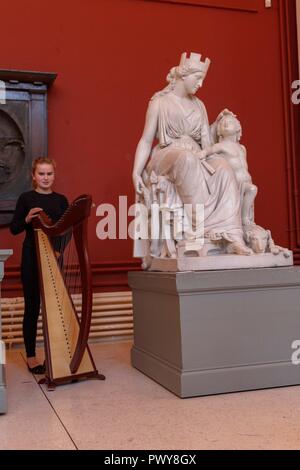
[111, 56]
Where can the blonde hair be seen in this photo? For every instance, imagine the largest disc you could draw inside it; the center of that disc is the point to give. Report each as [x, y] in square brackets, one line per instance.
[41, 161]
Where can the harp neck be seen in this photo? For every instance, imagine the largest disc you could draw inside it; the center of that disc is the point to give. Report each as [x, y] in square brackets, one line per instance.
[78, 211]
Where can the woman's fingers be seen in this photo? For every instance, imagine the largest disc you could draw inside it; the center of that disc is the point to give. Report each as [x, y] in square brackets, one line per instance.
[35, 210]
[32, 213]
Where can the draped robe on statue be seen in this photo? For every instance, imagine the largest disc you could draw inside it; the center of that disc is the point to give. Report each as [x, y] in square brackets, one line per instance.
[182, 133]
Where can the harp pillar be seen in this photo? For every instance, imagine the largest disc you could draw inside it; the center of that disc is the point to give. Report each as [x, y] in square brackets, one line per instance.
[4, 254]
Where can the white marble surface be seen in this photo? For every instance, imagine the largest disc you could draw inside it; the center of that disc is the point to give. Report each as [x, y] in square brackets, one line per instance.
[130, 411]
[210, 263]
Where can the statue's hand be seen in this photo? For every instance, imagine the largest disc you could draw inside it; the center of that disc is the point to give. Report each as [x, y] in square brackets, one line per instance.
[138, 184]
[202, 154]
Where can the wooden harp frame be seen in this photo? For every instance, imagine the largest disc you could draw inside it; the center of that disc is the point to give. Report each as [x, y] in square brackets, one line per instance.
[67, 354]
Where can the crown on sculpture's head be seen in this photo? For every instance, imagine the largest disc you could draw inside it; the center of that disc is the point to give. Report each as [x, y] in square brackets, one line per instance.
[194, 61]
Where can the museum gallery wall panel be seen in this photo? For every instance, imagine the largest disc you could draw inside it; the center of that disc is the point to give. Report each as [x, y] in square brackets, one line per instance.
[241, 5]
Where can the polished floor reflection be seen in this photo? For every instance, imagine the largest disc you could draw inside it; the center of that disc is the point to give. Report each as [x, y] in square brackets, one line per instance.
[130, 411]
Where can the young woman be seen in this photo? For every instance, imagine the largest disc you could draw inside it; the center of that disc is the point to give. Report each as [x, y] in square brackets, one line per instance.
[42, 197]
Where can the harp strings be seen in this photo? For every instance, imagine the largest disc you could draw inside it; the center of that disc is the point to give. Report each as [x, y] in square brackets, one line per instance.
[68, 269]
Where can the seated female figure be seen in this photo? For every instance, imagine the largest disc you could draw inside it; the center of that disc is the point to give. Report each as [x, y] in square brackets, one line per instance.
[179, 120]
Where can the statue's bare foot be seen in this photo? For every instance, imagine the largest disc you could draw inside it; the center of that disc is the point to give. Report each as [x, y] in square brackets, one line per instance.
[238, 248]
[275, 250]
[146, 262]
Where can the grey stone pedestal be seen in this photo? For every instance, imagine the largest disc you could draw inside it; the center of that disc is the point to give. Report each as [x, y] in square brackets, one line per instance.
[210, 332]
[4, 254]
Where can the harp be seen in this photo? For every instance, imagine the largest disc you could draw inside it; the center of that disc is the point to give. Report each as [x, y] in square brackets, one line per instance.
[67, 354]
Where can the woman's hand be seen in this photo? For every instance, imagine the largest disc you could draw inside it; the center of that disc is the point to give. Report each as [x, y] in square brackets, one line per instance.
[138, 183]
[32, 213]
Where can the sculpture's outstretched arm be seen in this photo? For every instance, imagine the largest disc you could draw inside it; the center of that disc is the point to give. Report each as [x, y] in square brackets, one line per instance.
[145, 144]
[212, 149]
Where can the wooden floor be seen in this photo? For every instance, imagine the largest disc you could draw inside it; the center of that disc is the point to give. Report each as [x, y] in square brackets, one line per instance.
[129, 411]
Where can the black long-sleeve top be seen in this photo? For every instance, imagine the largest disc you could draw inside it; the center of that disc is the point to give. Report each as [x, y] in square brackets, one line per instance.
[54, 204]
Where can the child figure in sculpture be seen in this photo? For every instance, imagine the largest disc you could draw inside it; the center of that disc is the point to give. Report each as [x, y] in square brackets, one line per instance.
[229, 132]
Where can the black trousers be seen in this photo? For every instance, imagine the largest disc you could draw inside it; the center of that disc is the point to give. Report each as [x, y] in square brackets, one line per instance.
[31, 289]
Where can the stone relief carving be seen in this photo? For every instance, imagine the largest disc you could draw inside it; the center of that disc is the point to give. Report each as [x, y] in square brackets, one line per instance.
[12, 150]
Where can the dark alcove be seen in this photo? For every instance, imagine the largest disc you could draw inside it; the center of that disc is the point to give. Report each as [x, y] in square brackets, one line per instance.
[23, 133]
